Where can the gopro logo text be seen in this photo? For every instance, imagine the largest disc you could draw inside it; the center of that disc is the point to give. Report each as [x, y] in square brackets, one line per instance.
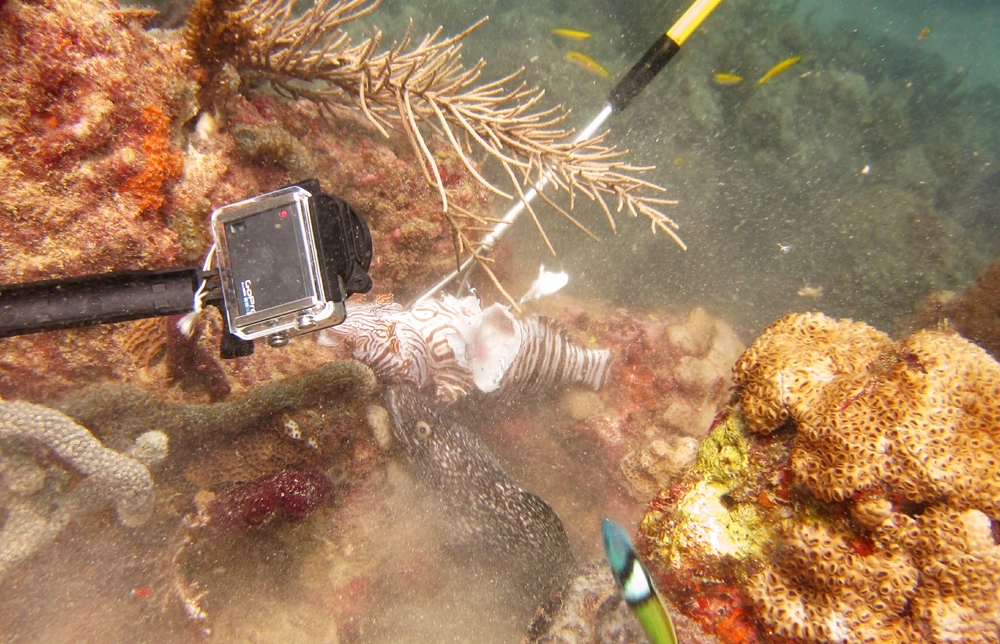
[248, 301]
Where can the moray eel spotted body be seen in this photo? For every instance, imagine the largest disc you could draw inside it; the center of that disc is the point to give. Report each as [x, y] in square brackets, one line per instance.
[487, 503]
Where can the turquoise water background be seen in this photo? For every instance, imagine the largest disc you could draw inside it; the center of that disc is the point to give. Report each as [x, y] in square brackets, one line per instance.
[862, 177]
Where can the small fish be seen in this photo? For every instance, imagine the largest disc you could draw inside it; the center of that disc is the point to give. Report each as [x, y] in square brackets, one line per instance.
[573, 34]
[726, 79]
[924, 33]
[588, 63]
[777, 69]
[636, 586]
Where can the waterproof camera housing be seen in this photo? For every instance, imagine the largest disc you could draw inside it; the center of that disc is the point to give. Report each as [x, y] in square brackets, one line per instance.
[287, 260]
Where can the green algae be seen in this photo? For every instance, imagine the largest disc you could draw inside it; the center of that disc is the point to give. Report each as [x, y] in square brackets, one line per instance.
[723, 455]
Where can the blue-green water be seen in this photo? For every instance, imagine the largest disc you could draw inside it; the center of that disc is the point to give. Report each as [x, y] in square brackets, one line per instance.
[864, 170]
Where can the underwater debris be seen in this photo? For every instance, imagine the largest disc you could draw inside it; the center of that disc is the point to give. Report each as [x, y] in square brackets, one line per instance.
[42, 502]
[310, 56]
[456, 345]
[858, 499]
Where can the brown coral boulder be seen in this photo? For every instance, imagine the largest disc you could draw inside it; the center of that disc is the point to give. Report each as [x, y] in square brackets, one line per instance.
[919, 415]
[852, 493]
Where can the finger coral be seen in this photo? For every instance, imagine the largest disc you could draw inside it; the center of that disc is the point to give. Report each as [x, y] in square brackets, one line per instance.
[122, 478]
[286, 423]
[41, 500]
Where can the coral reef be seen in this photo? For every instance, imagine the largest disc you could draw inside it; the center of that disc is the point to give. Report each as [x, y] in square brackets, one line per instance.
[974, 311]
[852, 494]
[41, 499]
[671, 373]
[917, 416]
[820, 590]
[89, 144]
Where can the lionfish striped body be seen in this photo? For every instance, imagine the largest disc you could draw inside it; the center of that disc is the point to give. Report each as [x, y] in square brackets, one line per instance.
[548, 359]
[379, 335]
[456, 345]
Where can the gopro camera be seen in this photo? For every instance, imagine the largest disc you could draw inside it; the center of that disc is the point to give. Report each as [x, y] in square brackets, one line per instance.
[288, 260]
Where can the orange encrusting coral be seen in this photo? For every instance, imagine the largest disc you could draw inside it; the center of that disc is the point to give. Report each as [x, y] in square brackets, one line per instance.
[904, 435]
[74, 84]
[818, 590]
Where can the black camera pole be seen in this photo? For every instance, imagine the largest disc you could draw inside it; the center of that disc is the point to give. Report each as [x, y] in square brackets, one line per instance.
[95, 299]
[90, 300]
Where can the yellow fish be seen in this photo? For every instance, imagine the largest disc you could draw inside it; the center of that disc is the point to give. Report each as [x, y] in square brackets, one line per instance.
[777, 69]
[585, 61]
[571, 33]
[727, 79]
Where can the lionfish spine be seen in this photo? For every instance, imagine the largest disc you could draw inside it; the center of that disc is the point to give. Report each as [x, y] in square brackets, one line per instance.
[547, 358]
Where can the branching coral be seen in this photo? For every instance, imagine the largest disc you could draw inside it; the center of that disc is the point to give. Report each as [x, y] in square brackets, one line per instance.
[114, 475]
[403, 88]
[38, 509]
